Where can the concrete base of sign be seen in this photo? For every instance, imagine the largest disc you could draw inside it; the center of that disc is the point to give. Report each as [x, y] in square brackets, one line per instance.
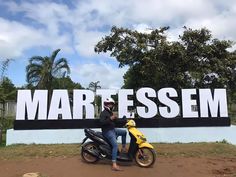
[160, 135]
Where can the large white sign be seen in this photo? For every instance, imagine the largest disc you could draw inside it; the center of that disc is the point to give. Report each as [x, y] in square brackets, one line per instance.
[210, 103]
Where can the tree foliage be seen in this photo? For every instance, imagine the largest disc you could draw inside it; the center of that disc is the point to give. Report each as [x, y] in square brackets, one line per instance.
[4, 66]
[41, 71]
[66, 83]
[7, 90]
[94, 86]
[196, 59]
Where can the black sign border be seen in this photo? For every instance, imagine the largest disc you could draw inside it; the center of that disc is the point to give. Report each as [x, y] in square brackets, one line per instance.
[140, 122]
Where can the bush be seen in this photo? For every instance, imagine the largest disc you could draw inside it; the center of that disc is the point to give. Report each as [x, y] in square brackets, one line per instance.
[6, 123]
[233, 120]
[2, 139]
[232, 116]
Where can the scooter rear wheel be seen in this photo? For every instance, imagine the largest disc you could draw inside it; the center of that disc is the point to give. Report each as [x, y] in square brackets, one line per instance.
[86, 156]
[145, 157]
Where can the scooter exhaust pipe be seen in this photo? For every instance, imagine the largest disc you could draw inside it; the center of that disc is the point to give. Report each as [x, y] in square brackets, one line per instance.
[91, 152]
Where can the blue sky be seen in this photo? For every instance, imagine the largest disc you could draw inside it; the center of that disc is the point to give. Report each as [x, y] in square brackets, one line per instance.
[32, 27]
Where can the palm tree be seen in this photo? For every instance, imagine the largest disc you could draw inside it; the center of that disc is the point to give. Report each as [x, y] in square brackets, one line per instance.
[42, 70]
[4, 66]
[94, 86]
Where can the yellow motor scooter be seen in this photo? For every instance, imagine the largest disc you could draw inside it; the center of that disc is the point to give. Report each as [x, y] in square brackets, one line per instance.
[99, 148]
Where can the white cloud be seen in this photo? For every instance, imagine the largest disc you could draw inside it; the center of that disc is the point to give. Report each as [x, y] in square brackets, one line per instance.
[16, 38]
[86, 40]
[89, 20]
[49, 14]
[142, 28]
[109, 76]
[79, 28]
[221, 25]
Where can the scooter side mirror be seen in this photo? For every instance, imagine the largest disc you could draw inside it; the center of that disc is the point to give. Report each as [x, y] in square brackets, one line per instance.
[125, 120]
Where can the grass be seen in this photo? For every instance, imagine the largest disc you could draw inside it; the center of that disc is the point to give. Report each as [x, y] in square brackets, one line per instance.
[36, 151]
[220, 149]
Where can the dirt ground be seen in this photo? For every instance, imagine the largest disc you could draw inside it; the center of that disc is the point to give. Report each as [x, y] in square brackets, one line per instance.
[164, 167]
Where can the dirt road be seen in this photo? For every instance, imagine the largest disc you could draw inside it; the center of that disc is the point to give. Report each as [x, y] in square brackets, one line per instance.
[164, 167]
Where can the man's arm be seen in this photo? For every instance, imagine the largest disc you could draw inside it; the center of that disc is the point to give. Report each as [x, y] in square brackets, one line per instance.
[121, 121]
[105, 119]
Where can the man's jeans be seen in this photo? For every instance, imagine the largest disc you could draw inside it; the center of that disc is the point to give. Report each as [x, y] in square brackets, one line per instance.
[111, 135]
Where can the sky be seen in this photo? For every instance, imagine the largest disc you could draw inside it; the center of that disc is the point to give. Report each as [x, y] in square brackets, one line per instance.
[37, 28]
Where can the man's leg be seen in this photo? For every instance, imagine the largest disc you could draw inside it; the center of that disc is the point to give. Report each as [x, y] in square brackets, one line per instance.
[122, 133]
[111, 136]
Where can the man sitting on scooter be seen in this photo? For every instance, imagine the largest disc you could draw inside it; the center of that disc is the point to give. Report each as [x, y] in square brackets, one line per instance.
[108, 121]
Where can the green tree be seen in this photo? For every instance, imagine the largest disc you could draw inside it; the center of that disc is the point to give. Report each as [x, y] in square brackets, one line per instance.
[94, 86]
[195, 60]
[212, 65]
[4, 66]
[8, 89]
[7, 92]
[66, 83]
[41, 71]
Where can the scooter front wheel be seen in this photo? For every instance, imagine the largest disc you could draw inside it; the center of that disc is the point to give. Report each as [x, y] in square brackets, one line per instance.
[86, 156]
[145, 157]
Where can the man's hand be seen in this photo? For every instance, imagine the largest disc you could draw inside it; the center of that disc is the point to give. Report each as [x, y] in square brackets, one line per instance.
[113, 117]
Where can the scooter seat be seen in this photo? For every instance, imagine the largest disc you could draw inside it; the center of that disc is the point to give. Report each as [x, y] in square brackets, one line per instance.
[97, 134]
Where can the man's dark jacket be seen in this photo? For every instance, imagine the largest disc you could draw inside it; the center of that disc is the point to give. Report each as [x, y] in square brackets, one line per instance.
[106, 122]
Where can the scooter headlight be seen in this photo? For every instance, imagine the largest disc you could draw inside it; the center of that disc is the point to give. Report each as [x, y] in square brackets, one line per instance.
[130, 123]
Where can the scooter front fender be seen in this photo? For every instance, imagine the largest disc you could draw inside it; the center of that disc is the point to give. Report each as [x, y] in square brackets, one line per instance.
[147, 145]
